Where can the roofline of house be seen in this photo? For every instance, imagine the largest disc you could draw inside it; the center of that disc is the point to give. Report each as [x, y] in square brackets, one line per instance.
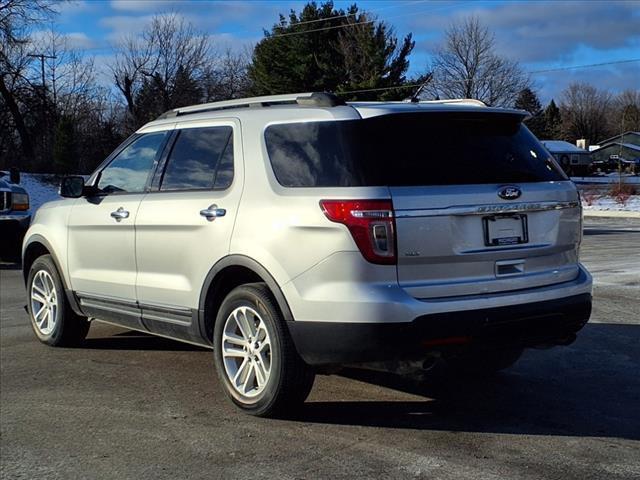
[619, 135]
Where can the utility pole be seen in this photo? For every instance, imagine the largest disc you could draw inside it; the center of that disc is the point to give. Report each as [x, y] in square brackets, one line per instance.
[42, 56]
[45, 123]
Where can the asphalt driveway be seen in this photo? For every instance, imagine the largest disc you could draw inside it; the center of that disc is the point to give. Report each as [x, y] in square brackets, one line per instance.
[127, 405]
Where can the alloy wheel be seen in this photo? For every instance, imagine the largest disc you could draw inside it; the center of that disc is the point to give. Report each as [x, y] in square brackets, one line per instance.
[246, 352]
[44, 302]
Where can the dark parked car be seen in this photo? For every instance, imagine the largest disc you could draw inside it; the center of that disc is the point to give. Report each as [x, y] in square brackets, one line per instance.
[612, 165]
[15, 215]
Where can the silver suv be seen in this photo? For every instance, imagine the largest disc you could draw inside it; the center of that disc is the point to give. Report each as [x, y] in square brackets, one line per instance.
[291, 233]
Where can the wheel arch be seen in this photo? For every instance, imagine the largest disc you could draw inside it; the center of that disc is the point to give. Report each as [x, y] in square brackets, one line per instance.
[37, 246]
[228, 273]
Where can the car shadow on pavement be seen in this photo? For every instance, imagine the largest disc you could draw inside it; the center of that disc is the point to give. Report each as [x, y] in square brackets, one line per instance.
[608, 231]
[132, 340]
[591, 388]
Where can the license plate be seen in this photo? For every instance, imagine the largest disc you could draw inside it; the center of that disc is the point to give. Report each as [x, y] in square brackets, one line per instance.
[502, 230]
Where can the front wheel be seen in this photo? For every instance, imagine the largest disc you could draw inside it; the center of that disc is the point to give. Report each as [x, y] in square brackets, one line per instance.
[52, 319]
[256, 361]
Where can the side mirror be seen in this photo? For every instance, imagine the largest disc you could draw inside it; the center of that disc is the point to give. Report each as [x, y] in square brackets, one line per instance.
[72, 186]
[14, 175]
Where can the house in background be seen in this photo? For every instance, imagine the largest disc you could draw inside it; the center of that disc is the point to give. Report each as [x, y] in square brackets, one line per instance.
[625, 146]
[573, 160]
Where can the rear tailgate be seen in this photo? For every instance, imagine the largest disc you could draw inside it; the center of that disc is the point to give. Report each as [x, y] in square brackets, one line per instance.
[466, 240]
[480, 206]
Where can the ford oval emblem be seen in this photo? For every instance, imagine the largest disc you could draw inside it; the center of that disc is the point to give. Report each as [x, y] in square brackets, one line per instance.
[509, 192]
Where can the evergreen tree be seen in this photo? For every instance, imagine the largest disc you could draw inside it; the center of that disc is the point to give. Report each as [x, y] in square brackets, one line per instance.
[302, 53]
[186, 90]
[528, 100]
[552, 122]
[64, 158]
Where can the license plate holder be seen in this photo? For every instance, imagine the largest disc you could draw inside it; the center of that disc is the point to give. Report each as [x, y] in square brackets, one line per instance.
[504, 230]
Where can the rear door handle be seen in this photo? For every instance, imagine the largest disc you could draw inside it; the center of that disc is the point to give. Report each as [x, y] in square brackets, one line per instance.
[120, 214]
[213, 212]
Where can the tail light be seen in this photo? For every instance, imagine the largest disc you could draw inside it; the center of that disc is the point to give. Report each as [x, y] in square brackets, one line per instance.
[371, 223]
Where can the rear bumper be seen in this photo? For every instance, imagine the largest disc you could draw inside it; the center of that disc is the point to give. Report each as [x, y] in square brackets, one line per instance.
[546, 322]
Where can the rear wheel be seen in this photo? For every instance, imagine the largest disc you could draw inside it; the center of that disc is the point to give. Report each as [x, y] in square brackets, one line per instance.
[256, 361]
[52, 319]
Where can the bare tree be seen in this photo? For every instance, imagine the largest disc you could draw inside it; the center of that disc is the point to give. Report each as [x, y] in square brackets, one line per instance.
[466, 66]
[13, 83]
[132, 57]
[628, 97]
[167, 49]
[626, 111]
[71, 75]
[227, 78]
[17, 18]
[585, 111]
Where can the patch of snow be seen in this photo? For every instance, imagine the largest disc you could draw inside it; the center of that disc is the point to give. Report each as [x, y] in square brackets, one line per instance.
[41, 188]
[607, 178]
[611, 204]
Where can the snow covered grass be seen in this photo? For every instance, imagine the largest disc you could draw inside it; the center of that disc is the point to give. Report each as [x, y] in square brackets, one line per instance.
[592, 202]
[613, 197]
[41, 188]
[606, 179]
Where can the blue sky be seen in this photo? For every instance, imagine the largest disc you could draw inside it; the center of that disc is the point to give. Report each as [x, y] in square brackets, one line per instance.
[541, 35]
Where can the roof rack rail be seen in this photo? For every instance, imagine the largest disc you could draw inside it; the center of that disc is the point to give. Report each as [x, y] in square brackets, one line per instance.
[460, 101]
[312, 99]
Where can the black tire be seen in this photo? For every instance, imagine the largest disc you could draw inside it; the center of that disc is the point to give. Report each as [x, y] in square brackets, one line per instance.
[290, 380]
[69, 329]
[482, 362]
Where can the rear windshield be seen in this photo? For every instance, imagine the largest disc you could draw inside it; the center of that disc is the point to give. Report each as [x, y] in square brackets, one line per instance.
[409, 150]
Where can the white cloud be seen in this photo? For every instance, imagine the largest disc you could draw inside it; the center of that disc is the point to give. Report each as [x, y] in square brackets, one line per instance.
[549, 31]
[142, 5]
[613, 78]
[73, 7]
[222, 42]
[206, 10]
[79, 40]
[126, 25]
[68, 41]
[544, 34]
[121, 26]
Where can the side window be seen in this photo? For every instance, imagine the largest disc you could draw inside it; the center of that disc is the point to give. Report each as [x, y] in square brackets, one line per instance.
[201, 159]
[128, 172]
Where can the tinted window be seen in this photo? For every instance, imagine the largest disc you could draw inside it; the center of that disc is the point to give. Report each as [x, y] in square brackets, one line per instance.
[128, 172]
[409, 150]
[201, 158]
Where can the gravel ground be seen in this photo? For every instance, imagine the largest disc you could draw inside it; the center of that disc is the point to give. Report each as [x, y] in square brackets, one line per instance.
[133, 406]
